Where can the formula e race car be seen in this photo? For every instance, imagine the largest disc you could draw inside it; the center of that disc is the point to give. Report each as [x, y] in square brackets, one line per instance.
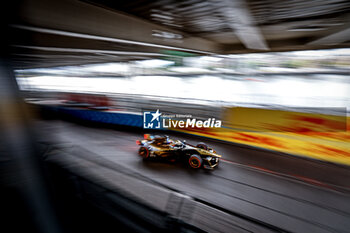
[161, 147]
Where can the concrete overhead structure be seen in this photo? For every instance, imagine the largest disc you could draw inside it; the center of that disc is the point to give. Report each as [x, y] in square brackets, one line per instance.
[72, 32]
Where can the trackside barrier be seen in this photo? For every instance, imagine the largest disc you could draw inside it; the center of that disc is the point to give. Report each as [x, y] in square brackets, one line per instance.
[317, 136]
[118, 118]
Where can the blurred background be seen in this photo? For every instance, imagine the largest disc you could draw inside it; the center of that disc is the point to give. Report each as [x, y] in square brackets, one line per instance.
[300, 79]
[76, 76]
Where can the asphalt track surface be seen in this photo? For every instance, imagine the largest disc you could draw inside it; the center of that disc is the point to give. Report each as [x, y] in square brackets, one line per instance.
[294, 194]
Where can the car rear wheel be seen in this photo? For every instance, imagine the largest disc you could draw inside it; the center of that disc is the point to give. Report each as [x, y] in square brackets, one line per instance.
[195, 161]
[202, 145]
[144, 152]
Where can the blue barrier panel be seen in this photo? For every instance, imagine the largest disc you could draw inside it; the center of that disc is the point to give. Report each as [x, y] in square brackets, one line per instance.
[127, 119]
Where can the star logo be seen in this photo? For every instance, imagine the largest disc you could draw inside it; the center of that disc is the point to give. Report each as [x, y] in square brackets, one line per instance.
[152, 120]
[156, 115]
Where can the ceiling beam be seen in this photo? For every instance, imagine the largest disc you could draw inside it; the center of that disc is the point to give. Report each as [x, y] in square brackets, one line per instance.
[79, 19]
[241, 21]
[94, 51]
[333, 39]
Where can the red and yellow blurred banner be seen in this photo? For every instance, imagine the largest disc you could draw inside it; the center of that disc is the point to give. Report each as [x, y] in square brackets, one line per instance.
[318, 136]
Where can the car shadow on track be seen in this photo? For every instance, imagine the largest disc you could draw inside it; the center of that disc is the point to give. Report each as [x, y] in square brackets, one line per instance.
[167, 167]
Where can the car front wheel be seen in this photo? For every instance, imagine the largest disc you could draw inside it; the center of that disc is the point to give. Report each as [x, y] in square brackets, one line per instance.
[195, 161]
[144, 152]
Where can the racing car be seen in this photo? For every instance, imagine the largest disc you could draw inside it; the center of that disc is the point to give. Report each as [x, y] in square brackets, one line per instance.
[162, 147]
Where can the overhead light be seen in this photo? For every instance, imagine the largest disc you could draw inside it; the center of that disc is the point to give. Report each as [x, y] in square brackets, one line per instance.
[166, 35]
[162, 16]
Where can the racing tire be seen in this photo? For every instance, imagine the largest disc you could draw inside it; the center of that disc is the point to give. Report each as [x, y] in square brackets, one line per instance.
[195, 161]
[202, 145]
[144, 152]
